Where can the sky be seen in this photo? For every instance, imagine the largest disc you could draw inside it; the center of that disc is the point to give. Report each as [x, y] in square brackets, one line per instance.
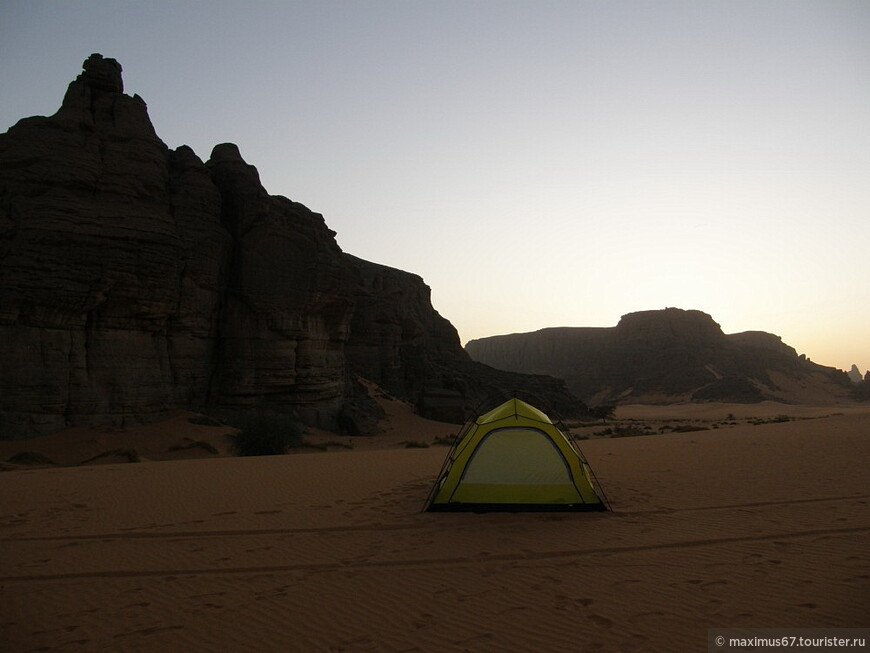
[539, 163]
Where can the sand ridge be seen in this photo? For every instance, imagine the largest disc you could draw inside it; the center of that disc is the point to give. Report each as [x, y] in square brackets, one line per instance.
[757, 526]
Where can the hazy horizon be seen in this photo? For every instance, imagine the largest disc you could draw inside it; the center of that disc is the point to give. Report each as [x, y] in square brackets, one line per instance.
[539, 164]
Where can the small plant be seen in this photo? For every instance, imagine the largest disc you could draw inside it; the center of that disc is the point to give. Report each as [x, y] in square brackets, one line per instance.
[321, 446]
[195, 444]
[779, 419]
[131, 455]
[415, 444]
[445, 441]
[628, 432]
[263, 433]
[689, 428]
[339, 445]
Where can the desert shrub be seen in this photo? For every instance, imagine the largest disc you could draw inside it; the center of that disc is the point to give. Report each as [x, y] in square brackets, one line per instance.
[415, 444]
[689, 428]
[264, 433]
[603, 412]
[195, 444]
[30, 458]
[779, 419]
[628, 432]
[131, 455]
[445, 441]
[321, 446]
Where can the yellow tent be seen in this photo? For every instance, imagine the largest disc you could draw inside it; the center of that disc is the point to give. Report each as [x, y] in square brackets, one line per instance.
[514, 458]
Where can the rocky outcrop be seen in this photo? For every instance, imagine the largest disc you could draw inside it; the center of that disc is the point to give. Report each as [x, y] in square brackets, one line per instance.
[101, 251]
[855, 374]
[135, 279]
[398, 341]
[667, 355]
[862, 389]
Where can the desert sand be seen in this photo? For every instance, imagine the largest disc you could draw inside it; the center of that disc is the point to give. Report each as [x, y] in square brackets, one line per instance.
[743, 525]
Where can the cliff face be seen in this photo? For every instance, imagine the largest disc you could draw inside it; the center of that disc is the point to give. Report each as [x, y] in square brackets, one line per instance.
[110, 253]
[395, 335]
[668, 355]
[285, 301]
[135, 279]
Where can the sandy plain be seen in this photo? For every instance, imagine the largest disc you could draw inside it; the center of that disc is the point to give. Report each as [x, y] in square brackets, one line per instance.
[757, 521]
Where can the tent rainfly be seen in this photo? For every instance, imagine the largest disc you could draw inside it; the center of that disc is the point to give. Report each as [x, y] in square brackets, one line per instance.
[514, 458]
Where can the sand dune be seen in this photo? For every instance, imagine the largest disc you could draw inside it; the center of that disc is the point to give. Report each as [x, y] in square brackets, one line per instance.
[750, 526]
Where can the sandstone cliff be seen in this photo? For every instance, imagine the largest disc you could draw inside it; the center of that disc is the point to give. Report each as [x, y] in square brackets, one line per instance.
[667, 355]
[135, 279]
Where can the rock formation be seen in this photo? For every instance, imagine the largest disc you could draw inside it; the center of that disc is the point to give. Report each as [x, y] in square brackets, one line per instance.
[855, 374]
[135, 279]
[667, 355]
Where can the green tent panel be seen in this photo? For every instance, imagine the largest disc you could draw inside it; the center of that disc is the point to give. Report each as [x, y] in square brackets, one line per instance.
[514, 457]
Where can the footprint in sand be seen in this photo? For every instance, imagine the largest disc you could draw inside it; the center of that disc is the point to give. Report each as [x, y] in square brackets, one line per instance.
[199, 596]
[473, 638]
[425, 620]
[604, 622]
[652, 614]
